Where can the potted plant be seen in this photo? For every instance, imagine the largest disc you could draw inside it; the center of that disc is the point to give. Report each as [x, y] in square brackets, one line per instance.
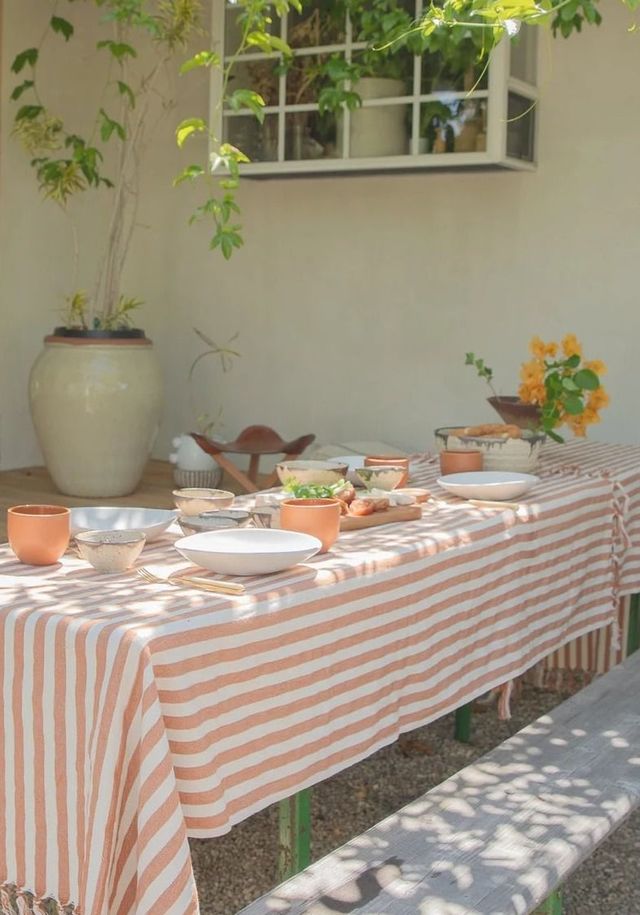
[96, 389]
[558, 387]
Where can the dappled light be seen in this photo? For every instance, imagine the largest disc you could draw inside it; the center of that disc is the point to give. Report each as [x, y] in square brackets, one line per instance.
[500, 834]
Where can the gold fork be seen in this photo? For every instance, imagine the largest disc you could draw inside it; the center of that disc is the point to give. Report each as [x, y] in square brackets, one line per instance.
[205, 584]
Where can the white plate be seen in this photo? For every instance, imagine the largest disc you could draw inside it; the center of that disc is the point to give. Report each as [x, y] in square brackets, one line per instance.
[494, 485]
[248, 551]
[152, 521]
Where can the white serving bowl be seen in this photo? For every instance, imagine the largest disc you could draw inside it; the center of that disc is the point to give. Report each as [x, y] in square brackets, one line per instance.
[518, 455]
[151, 521]
[249, 551]
[110, 551]
[197, 501]
[311, 473]
[494, 485]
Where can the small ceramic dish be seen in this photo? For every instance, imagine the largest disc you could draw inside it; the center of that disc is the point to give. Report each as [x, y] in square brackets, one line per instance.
[386, 477]
[153, 522]
[267, 516]
[214, 521]
[311, 473]
[110, 551]
[196, 501]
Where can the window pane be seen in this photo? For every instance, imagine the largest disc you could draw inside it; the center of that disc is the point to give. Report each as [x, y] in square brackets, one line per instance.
[520, 127]
[524, 49]
[457, 126]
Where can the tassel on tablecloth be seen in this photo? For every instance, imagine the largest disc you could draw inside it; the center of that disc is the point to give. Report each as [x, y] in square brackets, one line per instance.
[16, 901]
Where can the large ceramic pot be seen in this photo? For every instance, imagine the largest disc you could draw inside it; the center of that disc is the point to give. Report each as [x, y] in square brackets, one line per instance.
[96, 399]
[377, 130]
[515, 411]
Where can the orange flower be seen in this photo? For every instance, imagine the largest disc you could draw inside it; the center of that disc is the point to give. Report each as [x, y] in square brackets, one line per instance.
[597, 366]
[590, 415]
[532, 372]
[598, 399]
[540, 349]
[532, 393]
[571, 346]
[577, 425]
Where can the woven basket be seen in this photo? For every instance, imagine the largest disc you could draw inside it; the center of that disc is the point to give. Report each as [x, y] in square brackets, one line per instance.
[198, 479]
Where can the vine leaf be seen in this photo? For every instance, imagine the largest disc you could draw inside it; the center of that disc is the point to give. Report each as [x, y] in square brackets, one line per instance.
[61, 27]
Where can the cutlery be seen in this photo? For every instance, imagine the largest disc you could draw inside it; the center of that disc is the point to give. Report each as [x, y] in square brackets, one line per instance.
[486, 503]
[205, 584]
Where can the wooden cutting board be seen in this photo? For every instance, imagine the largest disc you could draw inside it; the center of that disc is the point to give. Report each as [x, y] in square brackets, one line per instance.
[393, 515]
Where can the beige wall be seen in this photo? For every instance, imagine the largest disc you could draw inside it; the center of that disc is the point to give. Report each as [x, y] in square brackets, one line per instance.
[356, 298]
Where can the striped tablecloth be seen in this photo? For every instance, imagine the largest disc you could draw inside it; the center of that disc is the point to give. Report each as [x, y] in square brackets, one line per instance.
[602, 649]
[134, 715]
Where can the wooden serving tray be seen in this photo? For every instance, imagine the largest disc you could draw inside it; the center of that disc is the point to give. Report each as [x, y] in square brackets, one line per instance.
[392, 515]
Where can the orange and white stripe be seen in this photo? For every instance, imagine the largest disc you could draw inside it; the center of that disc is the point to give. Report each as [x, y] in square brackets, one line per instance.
[135, 715]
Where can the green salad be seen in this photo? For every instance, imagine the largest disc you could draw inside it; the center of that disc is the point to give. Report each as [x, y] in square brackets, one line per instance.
[302, 491]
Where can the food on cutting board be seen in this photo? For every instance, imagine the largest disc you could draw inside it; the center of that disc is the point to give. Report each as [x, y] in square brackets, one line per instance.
[344, 492]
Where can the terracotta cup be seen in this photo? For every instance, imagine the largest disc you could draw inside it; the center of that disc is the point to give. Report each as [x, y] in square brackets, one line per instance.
[38, 534]
[318, 517]
[381, 460]
[460, 461]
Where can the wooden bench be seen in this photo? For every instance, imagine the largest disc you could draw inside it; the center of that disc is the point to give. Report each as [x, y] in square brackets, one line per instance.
[502, 834]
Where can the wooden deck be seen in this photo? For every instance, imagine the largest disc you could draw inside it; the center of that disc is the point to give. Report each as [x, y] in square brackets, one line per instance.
[34, 485]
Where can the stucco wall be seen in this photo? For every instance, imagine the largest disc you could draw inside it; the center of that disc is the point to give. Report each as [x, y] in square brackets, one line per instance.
[356, 298]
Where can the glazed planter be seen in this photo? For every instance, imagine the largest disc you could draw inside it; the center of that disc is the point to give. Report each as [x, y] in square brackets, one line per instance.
[96, 400]
[515, 411]
[379, 130]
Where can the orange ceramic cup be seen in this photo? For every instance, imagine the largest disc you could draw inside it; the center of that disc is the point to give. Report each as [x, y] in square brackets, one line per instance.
[460, 461]
[318, 517]
[382, 460]
[38, 534]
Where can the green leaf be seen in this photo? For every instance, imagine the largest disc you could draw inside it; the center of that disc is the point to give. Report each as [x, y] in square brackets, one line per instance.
[61, 27]
[28, 112]
[201, 59]
[118, 49]
[188, 127]
[573, 404]
[108, 127]
[247, 98]
[569, 385]
[125, 89]
[17, 92]
[188, 174]
[587, 380]
[573, 361]
[30, 56]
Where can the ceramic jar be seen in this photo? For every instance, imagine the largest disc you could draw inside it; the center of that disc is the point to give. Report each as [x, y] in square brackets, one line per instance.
[96, 402]
[377, 130]
[318, 517]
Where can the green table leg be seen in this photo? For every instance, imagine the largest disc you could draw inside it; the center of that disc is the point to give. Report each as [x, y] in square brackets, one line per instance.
[462, 730]
[552, 905]
[295, 834]
[633, 637]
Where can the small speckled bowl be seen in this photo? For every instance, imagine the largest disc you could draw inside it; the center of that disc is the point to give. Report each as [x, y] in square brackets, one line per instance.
[214, 521]
[196, 501]
[110, 551]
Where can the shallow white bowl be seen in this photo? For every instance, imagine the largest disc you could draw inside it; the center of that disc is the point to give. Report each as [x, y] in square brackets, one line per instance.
[311, 473]
[495, 485]
[151, 521]
[248, 551]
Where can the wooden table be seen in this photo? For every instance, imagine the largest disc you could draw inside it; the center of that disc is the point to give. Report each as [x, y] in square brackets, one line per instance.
[33, 484]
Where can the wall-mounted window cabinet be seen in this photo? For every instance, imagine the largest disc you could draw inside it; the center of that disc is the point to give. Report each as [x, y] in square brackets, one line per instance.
[425, 115]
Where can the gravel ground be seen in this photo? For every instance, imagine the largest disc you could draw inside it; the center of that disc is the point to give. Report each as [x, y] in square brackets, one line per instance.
[236, 868]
